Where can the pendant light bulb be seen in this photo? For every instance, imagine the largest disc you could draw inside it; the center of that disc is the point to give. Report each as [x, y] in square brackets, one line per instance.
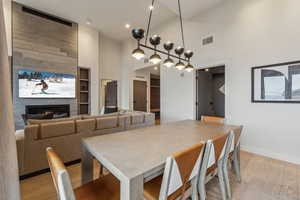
[155, 59]
[189, 68]
[180, 65]
[168, 63]
[138, 54]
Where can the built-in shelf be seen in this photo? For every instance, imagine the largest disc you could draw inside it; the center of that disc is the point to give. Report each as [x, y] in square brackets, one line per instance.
[155, 95]
[83, 91]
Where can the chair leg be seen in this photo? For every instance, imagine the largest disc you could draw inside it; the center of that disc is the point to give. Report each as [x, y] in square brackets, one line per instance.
[221, 181]
[201, 188]
[195, 194]
[226, 180]
[236, 165]
[101, 170]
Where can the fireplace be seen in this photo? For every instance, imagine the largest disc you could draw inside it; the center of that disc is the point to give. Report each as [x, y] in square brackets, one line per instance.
[46, 111]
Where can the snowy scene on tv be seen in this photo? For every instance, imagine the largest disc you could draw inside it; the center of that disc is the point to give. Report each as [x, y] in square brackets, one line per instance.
[45, 85]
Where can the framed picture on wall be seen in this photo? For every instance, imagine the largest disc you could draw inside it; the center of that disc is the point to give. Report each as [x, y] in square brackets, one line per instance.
[277, 83]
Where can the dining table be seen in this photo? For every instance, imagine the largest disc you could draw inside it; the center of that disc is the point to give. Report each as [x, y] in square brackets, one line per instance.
[137, 156]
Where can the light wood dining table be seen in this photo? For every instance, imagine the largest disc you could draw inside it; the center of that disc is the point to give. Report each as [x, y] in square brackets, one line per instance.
[136, 156]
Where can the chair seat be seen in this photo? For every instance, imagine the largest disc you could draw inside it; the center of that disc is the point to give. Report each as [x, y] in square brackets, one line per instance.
[105, 188]
[152, 190]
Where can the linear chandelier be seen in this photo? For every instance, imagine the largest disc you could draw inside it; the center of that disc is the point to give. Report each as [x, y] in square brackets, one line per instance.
[155, 40]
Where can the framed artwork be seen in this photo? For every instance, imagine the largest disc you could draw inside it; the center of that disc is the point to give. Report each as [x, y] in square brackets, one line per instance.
[277, 83]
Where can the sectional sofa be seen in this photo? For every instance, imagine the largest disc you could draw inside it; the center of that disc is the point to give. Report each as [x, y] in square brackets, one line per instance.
[65, 135]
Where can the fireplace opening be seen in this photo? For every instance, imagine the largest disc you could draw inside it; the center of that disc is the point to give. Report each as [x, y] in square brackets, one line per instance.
[46, 112]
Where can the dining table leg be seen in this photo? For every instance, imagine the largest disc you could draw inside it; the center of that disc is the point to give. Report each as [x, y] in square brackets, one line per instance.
[132, 189]
[87, 167]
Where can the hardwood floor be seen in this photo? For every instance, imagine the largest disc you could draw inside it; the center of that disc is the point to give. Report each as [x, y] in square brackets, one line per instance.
[262, 179]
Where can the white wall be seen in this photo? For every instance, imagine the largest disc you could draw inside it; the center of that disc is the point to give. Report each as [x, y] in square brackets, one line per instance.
[88, 56]
[7, 19]
[110, 59]
[110, 62]
[247, 33]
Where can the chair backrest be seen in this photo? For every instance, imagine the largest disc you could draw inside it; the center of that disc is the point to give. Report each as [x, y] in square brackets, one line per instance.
[237, 137]
[219, 149]
[213, 119]
[60, 176]
[181, 171]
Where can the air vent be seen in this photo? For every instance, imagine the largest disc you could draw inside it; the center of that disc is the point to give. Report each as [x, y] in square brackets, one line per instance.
[141, 77]
[208, 40]
[46, 16]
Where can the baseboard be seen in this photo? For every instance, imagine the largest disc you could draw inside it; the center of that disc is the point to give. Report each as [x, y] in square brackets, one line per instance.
[277, 156]
[43, 171]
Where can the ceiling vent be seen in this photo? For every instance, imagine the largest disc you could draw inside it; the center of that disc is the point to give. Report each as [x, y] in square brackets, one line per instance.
[208, 40]
[46, 16]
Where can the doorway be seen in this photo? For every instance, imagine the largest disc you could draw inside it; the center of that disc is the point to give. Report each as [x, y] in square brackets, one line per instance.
[109, 89]
[210, 92]
[140, 95]
[151, 75]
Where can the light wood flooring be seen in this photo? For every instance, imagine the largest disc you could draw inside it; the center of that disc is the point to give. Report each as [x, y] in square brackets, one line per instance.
[262, 179]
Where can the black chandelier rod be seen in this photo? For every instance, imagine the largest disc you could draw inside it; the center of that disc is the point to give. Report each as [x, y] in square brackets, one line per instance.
[181, 23]
[149, 22]
[163, 52]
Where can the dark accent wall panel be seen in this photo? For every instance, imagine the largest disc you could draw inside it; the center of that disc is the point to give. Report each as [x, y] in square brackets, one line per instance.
[42, 44]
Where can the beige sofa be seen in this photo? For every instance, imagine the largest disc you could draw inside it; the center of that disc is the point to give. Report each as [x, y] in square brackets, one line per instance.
[65, 135]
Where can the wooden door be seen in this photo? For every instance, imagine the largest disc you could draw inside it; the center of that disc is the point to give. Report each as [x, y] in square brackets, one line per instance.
[111, 97]
[140, 95]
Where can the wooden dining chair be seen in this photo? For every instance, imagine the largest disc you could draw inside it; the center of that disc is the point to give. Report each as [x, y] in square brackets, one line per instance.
[212, 119]
[214, 163]
[180, 177]
[106, 187]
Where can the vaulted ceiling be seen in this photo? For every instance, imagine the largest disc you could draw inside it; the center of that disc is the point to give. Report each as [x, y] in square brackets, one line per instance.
[110, 17]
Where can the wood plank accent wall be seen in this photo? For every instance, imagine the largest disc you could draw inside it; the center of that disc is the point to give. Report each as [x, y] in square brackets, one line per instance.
[42, 45]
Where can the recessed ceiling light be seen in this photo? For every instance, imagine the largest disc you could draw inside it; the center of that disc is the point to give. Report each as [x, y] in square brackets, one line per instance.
[88, 22]
[207, 70]
[151, 7]
[127, 25]
[155, 68]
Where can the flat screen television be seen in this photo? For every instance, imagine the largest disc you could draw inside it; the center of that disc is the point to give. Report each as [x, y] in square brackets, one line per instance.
[46, 85]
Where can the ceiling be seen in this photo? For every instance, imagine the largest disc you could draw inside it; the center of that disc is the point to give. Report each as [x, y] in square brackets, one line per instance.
[110, 17]
[190, 8]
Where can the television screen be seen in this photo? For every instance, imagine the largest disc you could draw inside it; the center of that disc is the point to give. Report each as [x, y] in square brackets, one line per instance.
[45, 85]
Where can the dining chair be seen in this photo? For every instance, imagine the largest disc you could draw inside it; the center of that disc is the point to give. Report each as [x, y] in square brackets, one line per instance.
[213, 119]
[234, 155]
[180, 177]
[215, 160]
[106, 187]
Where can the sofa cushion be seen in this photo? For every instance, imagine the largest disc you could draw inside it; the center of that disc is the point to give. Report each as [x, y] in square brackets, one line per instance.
[38, 121]
[85, 124]
[137, 118]
[106, 122]
[49, 130]
[100, 116]
[20, 147]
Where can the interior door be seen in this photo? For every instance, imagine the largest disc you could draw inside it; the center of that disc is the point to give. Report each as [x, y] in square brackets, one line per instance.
[140, 95]
[204, 93]
[211, 92]
[111, 97]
